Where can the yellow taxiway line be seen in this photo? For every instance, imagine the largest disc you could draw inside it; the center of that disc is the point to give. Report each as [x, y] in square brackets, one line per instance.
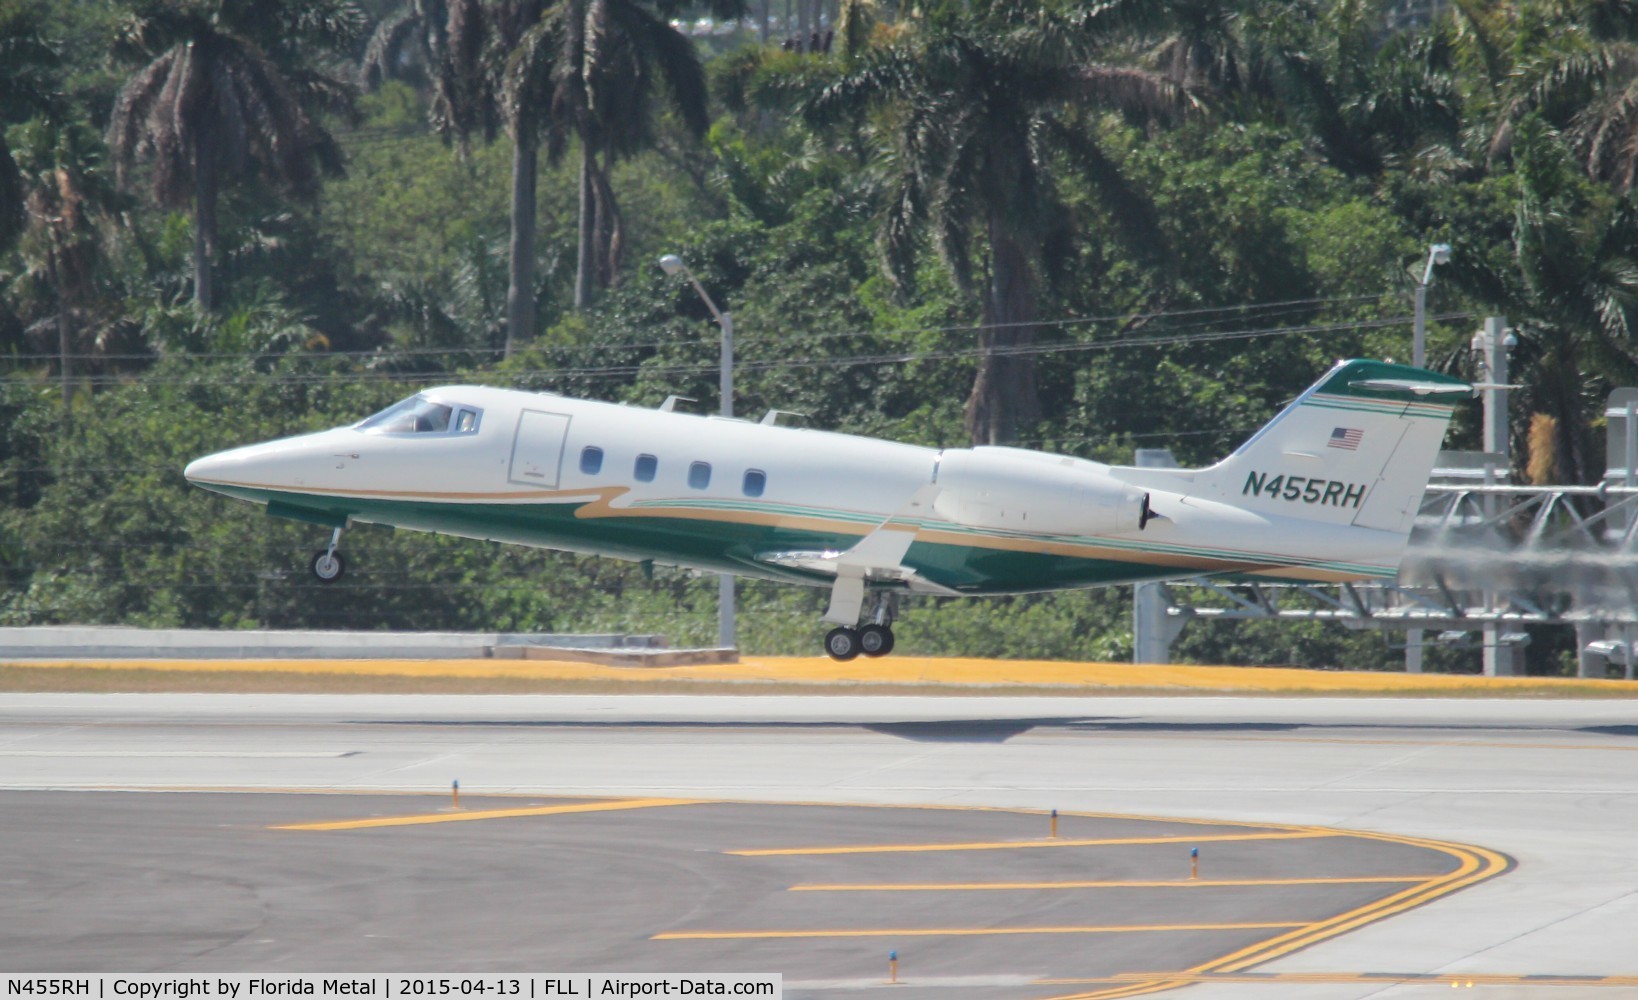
[1169, 884]
[961, 931]
[466, 817]
[1016, 845]
[1474, 865]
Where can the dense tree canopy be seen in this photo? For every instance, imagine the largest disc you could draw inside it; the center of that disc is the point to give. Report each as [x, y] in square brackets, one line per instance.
[1086, 228]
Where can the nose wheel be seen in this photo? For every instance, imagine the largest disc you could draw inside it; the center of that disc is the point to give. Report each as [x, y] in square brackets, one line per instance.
[327, 565]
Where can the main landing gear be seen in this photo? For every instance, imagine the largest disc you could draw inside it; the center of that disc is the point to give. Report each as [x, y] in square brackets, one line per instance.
[327, 564]
[872, 639]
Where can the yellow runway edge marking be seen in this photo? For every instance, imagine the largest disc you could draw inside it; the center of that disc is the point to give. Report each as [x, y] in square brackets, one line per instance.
[1168, 884]
[1013, 845]
[961, 931]
[908, 670]
[463, 817]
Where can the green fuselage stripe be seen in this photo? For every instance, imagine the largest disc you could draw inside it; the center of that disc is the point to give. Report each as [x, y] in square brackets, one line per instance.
[727, 540]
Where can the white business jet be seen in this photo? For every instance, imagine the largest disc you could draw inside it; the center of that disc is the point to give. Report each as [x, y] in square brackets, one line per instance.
[1327, 491]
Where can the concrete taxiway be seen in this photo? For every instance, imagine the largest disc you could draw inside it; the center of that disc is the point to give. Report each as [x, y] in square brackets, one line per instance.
[1509, 823]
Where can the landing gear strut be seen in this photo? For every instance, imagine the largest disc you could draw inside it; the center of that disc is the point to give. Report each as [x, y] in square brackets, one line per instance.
[875, 638]
[327, 564]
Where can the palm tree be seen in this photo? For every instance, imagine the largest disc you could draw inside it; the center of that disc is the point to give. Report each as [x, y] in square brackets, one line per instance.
[26, 90]
[406, 44]
[975, 111]
[594, 69]
[466, 49]
[445, 44]
[1199, 44]
[226, 93]
[523, 88]
[67, 200]
[1583, 79]
[1571, 291]
[1369, 100]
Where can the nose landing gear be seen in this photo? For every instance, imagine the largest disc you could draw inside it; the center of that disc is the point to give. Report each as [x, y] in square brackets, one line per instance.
[872, 639]
[327, 565]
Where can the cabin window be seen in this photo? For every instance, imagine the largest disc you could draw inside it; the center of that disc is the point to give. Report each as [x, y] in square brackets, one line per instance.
[591, 460]
[699, 475]
[755, 482]
[646, 466]
[415, 415]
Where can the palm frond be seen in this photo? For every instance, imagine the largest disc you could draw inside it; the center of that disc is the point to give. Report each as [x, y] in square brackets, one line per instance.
[1133, 92]
[674, 55]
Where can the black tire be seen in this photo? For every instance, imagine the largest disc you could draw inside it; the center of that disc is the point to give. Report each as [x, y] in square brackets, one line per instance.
[327, 567]
[875, 640]
[842, 643]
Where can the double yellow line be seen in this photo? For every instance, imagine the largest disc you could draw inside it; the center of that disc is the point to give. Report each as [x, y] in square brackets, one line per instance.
[1474, 865]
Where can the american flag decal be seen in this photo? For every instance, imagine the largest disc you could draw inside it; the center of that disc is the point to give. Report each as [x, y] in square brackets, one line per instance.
[1346, 438]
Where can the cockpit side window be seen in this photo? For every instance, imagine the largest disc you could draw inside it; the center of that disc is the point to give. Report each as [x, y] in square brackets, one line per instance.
[419, 415]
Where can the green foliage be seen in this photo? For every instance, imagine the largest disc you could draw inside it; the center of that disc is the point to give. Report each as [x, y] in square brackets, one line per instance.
[1186, 274]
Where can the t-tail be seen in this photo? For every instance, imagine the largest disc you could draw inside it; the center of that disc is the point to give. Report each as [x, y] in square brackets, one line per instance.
[1353, 452]
[1356, 448]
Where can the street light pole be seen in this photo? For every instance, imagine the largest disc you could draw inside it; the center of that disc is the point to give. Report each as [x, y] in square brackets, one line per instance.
[1438, 253]
[673, 265]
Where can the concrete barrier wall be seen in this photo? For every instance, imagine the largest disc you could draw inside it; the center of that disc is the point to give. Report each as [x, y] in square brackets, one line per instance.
[65, 642]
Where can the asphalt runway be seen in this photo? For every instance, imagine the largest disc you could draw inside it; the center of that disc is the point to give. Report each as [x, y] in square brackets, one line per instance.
[1348, 848]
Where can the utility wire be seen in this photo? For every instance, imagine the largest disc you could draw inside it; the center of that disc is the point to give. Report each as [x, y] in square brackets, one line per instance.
[389, 354]
[624, 371]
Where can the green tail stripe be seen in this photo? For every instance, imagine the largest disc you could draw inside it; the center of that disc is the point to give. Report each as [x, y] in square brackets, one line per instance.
[1344, 378]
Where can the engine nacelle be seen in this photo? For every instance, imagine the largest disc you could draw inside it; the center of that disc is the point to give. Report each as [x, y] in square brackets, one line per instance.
[1020, 490]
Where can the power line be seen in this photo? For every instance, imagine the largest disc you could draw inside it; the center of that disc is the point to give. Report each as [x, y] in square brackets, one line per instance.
[1262, 309]
[708, 368]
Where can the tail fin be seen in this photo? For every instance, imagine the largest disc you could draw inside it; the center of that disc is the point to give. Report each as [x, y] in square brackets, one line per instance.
[1356, 448]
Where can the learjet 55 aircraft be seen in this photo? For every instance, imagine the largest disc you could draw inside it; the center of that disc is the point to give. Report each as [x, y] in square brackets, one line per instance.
[1327, 491]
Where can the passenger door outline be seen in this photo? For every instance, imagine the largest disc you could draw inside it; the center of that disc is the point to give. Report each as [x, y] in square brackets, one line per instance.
[537, 449]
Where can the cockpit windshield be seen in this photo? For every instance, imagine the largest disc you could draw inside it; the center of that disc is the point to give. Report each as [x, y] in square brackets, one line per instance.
[415, 415]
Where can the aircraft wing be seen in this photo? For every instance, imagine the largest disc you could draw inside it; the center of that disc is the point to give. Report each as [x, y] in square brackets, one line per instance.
[876, 558]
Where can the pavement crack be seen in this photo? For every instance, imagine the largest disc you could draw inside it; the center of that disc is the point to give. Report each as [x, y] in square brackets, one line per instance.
[1628, 894]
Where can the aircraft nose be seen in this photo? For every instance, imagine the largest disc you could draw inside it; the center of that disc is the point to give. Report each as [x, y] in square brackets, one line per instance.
[281, 462]
[286, 463]
[209, 467]
[232, 465]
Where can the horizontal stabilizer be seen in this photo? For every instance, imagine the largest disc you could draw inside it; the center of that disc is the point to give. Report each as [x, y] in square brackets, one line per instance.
[1412, 386]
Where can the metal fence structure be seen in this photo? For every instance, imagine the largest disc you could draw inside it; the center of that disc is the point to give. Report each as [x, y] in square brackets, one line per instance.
[1487, 558]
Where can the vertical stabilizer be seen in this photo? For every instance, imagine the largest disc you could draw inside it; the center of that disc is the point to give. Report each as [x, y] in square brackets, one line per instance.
[1357, 448]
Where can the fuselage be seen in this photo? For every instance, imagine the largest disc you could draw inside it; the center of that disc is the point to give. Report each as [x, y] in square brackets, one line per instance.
[782, 503]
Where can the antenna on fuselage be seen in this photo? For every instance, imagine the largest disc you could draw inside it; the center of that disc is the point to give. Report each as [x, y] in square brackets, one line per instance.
[672, 401]
[771, 418]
